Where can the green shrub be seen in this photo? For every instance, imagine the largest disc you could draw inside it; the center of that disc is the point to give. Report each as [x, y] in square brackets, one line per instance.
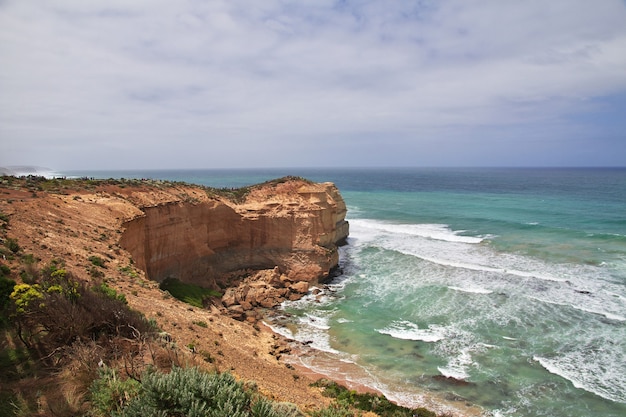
[189, 293]
[367, 401]
[110, 393]
[52, 267]
[95, 272]
[129, 270]
[6, 288]
[97, 261]
[334, 410]
[109, 292]
[192, 393]
[12, 245]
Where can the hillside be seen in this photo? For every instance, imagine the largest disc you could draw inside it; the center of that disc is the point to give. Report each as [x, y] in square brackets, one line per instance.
[81, 222]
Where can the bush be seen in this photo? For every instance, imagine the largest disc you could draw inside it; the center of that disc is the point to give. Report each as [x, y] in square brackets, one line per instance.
[189, 293]
[6, 288]
[192, 393]
[12, 245]
[110, 393]
[109, 292]
[60, 311]
[97, 261]
[367, 402]
[52, 267]
[334, 410]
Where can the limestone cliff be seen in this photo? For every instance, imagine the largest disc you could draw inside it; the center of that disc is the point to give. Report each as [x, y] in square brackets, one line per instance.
[291, 226]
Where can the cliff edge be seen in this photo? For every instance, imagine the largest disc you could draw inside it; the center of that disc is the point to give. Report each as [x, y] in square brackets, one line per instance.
[290, 224]
[261, 244]
[267, 247]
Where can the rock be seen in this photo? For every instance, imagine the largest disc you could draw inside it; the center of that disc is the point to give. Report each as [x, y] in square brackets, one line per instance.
[294, 296]
[301, 287]
[237, 309]
[236, 312]
[451, 380]
[229, 297]
[246, 305]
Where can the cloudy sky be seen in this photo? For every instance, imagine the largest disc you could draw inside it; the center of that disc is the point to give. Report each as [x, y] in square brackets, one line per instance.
[107, 84]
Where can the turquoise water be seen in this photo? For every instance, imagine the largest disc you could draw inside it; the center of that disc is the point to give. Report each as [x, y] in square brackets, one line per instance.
[512, 280]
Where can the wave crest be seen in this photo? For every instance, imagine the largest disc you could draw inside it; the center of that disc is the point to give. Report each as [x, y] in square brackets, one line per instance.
[407, 330]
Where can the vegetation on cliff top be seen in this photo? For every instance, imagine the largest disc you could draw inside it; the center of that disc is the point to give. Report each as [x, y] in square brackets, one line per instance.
[63, 185]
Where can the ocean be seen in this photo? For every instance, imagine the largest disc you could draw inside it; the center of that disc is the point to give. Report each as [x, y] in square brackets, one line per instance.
[504, 288]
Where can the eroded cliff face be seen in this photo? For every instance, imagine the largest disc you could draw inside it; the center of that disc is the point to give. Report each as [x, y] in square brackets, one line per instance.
[291, 227]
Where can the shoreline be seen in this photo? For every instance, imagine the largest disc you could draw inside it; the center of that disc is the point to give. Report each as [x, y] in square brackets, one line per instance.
[354, 377]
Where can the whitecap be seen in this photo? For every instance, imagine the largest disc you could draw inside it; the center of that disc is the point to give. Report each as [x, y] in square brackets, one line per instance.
[407, 330]
[452, 371]
[574, 370]
[608, 315]
[471, 290]
[431, 231]
[315, 321]
[317, 338]
[457, 367]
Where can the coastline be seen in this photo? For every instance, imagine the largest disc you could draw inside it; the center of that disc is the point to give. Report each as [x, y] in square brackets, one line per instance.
[53, 236]
[315, 364]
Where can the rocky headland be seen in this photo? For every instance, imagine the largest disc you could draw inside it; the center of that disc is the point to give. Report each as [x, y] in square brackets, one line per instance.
[254, 247]
[261, 249]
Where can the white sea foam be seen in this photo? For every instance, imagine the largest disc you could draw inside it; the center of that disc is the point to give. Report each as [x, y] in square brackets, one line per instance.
[449, 249]
[390, 266]
[500, 272]
[609, 316]
[431, 231]
[315, 321]
[584, 307]
[20, 171]
[315, 336]
[410, 331]
[458, 366]
[575, 369]
[456, 371]
[471, 290]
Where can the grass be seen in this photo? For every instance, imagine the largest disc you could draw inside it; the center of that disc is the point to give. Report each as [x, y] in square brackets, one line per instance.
[367, 401]
[189, 293]
[16, 364]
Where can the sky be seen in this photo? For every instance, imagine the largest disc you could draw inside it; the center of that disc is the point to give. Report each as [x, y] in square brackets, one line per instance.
[160, 84]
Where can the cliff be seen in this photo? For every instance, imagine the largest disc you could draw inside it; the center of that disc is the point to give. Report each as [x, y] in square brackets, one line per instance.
[293, 225]
[283, 234]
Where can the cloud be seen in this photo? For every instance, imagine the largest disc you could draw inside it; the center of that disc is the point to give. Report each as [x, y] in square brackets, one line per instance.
[197, 82]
